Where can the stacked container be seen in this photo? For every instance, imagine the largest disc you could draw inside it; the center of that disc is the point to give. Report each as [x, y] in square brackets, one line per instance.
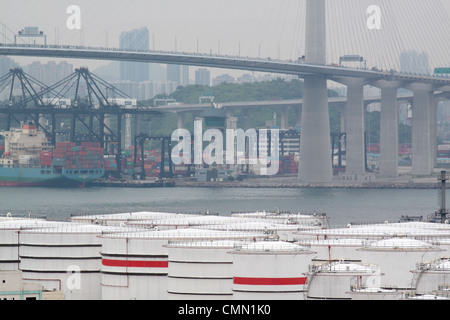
[45, 158]
[288, 164]
[86, 156]
[110, 163]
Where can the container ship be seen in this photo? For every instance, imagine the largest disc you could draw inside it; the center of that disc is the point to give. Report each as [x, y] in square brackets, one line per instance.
[29, 160]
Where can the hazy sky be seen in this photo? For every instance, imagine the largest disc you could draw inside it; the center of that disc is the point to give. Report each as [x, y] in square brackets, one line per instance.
[253, 28]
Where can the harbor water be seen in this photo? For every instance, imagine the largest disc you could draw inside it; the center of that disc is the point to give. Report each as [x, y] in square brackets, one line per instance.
[342, 206]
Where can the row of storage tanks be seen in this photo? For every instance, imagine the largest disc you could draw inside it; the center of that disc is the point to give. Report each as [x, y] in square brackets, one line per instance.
[253, 256]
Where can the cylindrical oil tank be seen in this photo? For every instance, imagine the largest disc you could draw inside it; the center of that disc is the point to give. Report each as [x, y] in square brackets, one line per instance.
[270, 270]
[444, 244]
[180, 222]
[422, 225]
[335, 279]
[9, 239]
[284, 232]
[200, 270]
[334, 249]
[135, 265]
[373, 232]
[314, 219]
[397, 257]
[376, 294]
[427, 297]
[65, 258]
[118, 219]
[432, 276]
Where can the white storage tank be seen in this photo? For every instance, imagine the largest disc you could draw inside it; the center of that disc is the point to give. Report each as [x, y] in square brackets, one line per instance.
[64, 258]
[200, 270]
[136, 265]
[9, 239]
[397, 258]
[427, 297]
[314, 219]
[335, 279]
[376, 294]
[432, 276]
[444, 244]
[285, 232]
[270, 270]
[374, 232]
[181, 222]
[342, 249]
[119, 219]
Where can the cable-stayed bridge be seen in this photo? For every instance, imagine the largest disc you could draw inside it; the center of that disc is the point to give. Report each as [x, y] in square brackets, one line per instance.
[334, 30]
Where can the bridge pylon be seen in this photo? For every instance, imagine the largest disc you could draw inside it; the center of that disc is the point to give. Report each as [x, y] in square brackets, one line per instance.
[315, 146]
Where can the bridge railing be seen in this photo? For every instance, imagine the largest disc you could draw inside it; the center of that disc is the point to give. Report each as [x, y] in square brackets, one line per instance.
[384, 73]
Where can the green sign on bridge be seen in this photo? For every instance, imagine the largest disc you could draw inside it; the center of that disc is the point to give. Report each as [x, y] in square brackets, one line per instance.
[442, 71]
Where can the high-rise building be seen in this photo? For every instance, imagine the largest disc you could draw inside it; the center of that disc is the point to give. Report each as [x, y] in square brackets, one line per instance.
[6, 64]
[49, 73]
[202, 77]
[224, 78]
[178, 74]
[245, 78]
[137, 39]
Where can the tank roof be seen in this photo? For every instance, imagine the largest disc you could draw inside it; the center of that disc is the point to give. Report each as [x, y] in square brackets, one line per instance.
[399, 243]
[271, 246]
[345, 267]
[189, 233]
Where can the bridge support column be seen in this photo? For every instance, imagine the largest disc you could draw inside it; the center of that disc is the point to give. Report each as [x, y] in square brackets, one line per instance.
[315, 145]
[180, 120]
[342, 110]
[389, 132]
[231, 121]
[127, 138]
[247, 119]
[354, 127]
[423, 130]
[298, 116]
[284, 121]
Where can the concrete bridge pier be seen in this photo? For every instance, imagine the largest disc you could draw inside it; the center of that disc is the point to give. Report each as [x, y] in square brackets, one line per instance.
[388, 128]
[342, 111]
[247, 119]
[354, 126]
[315, 144]
[181, 119]
[423, 129]
[284, 121]
[298, 116]
[389, 133]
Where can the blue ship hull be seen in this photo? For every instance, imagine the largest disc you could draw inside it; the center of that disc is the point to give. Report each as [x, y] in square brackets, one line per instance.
[47, 177]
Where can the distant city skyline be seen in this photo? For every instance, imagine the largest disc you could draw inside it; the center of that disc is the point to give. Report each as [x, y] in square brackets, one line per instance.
[254, 28]
[136, 39]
